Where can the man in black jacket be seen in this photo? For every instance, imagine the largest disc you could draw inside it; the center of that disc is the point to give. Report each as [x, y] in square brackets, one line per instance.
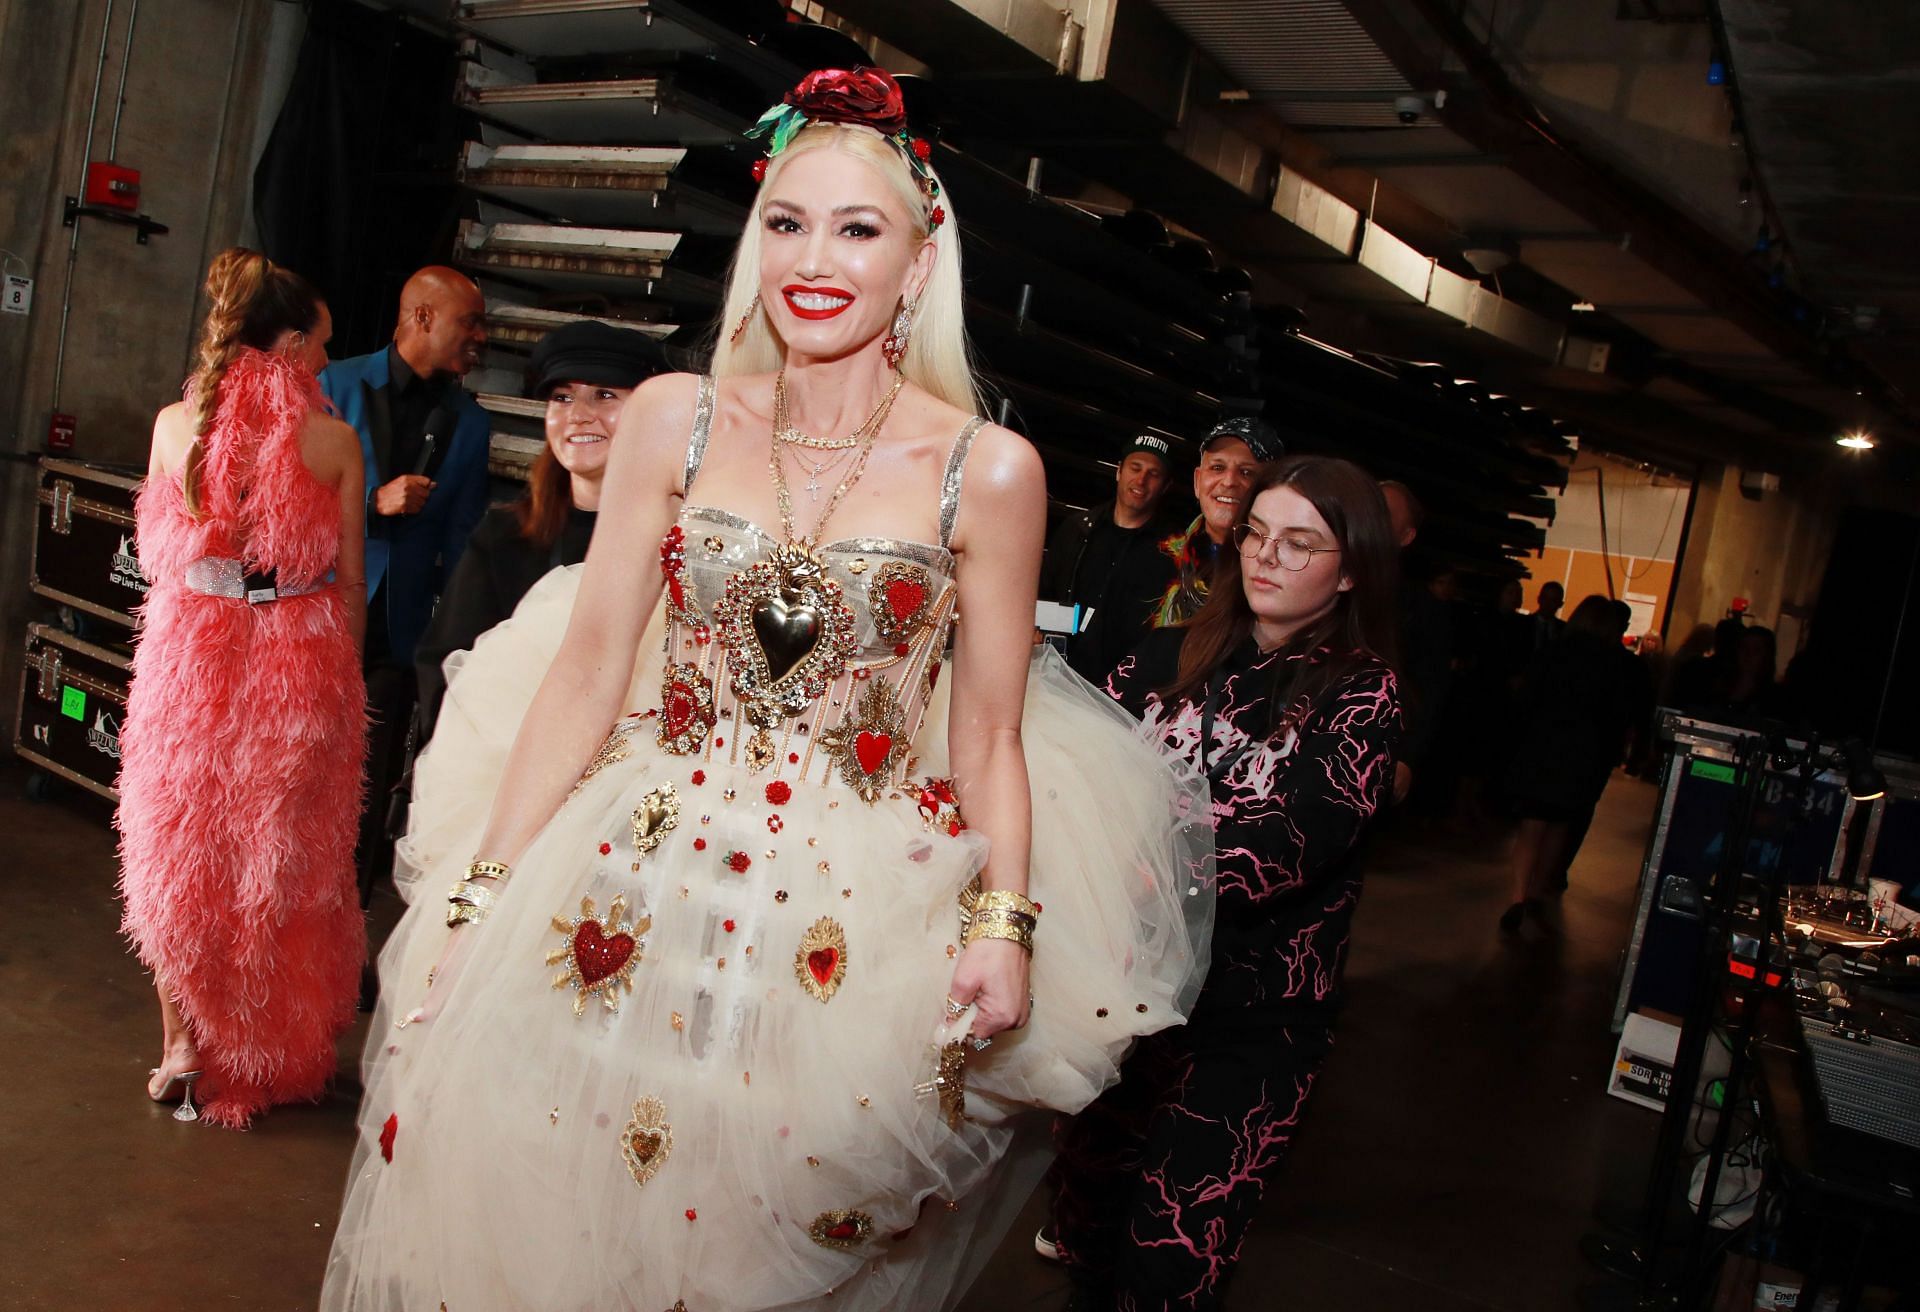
[1108, 559]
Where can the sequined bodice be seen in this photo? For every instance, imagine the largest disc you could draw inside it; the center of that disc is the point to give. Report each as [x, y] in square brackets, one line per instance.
[807, 666]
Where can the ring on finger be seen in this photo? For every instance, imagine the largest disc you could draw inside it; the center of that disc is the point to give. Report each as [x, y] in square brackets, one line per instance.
[955, 1010]
[980, 1044]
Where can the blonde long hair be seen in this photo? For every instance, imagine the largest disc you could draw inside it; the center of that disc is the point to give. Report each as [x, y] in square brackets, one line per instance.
[937, 359]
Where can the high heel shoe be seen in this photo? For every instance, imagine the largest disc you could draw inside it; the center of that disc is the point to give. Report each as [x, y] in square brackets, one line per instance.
[184, 1081]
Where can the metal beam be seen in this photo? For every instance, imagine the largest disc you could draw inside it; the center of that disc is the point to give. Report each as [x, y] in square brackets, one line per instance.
[1496, 116]
[1373, 163]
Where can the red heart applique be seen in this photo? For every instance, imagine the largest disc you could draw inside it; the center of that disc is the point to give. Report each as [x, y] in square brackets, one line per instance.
[680, 709]
[871, 749]
[904, 598]
[822, 962]
[597, 956]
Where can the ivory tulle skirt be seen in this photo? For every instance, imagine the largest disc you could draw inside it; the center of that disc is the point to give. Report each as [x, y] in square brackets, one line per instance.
[690, 1060]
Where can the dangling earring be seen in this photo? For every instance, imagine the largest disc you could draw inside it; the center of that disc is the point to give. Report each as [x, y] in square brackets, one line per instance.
[740, 331]
[894, 345]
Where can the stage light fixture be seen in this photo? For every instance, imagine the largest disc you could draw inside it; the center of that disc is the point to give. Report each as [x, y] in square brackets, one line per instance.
[1855, 441]
[1865, 783]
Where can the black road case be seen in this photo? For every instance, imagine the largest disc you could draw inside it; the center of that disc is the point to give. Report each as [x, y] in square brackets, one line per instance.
[83, 553]
[73, 695]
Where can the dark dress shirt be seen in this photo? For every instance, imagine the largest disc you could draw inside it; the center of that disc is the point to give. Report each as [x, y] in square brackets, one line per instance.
[411, 401]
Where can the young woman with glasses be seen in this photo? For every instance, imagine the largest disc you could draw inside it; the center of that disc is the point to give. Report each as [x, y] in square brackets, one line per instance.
[1281, 689]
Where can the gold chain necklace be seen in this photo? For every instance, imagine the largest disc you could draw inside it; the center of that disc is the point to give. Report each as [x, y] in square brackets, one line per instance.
[865, 438]
[814, 469]
[792, 436]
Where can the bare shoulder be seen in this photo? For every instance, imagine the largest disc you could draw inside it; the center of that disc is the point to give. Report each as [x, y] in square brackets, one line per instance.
[325, 432]
[329, 446]
[660, 411]
[666, 397]
[1005, 463]
[172, 435]
[1003, 500]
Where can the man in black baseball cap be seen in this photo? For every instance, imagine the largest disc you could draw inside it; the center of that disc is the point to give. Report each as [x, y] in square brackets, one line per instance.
[1230, 457]
[1107, 559]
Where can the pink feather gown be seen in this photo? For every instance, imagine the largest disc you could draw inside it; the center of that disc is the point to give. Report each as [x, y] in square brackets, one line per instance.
[240, 780]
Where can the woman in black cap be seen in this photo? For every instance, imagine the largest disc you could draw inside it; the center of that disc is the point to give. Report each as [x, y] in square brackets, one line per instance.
[585, 372]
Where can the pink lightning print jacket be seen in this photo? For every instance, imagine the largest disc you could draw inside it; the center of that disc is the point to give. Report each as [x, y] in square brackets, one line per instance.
[1288, 814]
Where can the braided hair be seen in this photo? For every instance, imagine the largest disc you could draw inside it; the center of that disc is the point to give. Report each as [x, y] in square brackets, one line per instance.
[251, 302]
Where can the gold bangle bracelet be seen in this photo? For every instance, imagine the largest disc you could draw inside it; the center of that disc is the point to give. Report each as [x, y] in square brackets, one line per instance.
[1005, 899]
[1001, 926]
[468, 893]
[461, 913]
[1006, 917]
[495, 870]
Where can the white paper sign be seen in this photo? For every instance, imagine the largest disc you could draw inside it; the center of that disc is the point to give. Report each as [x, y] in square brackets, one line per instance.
[17, 298]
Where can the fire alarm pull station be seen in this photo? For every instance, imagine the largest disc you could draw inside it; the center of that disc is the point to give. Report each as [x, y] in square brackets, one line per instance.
[60, 430]
[113, 185]
[112, 193]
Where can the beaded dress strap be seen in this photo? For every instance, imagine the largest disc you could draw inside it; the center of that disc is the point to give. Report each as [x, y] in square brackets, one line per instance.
[702, 428]
[950, 483]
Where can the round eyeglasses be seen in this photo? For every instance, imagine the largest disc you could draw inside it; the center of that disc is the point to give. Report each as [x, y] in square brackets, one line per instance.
[1291, 553]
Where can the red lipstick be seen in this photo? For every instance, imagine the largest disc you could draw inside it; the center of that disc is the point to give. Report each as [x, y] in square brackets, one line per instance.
[792, 290]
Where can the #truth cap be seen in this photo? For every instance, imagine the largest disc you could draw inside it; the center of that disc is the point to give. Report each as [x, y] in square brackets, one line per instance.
[1152, 444]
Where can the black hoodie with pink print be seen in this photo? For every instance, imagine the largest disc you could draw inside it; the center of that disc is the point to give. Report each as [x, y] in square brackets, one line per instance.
[1290, 806]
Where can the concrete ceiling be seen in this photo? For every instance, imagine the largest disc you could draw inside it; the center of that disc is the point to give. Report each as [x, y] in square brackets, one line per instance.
[1830, 99]
[1565, 152]
[1747, 252]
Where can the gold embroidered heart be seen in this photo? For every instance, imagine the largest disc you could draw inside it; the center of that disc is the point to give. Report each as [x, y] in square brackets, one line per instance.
[648, 1139]
[644, 1144]
[658, 812]
[787, 628]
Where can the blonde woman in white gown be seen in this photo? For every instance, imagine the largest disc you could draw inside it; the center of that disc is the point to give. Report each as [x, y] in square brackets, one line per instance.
[709, 1031]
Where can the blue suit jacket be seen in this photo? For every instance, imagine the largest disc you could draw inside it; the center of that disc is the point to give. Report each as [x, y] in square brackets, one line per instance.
[413, 554]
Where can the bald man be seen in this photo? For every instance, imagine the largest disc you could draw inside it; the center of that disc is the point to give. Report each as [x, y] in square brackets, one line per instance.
[424, 441]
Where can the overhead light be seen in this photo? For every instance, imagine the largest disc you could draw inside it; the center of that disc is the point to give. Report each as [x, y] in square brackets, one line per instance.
[1581, 307]
[1855, 441]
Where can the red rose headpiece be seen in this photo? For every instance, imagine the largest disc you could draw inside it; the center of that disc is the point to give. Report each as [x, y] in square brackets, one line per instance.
[866, 97]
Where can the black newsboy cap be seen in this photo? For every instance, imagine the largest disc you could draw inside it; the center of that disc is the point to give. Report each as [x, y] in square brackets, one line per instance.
[593, 352]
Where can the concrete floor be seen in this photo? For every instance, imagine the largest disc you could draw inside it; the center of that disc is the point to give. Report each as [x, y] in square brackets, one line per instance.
[1457, 1147]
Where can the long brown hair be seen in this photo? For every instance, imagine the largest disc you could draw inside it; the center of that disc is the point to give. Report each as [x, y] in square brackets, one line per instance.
[542, 512]
[1359, 628]
[251, 301]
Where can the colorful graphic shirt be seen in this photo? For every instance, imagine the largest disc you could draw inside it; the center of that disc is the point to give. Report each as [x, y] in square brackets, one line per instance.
[1193, 554]
[1289, 810]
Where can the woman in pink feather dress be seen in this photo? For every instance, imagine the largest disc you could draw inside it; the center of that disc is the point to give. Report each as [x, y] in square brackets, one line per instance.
[241, 751]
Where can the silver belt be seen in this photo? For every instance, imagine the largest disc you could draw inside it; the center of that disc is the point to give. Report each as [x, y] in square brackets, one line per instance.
[222, 576]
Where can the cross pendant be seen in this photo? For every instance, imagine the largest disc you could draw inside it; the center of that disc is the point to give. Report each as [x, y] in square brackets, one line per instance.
[813, 486]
